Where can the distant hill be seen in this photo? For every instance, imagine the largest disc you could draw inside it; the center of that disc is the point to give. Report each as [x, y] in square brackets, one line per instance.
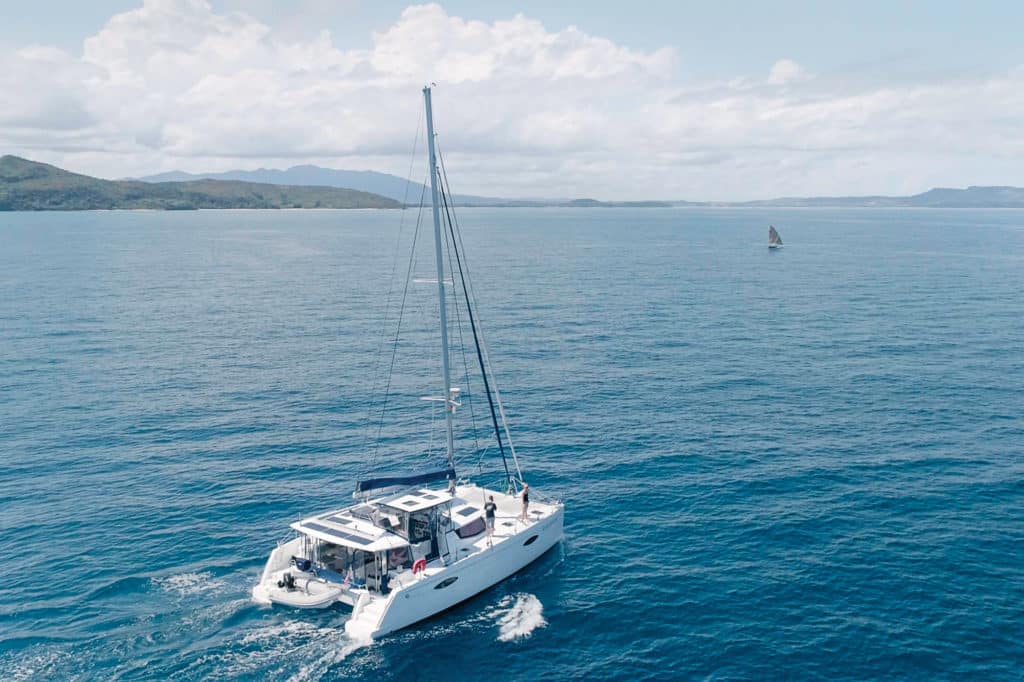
[32, 186]
[972, 197]
[383, 184]
[594, 203]
[396, 188]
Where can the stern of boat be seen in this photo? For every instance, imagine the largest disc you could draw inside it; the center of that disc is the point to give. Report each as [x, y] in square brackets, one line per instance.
[277, 563]
[364, 623]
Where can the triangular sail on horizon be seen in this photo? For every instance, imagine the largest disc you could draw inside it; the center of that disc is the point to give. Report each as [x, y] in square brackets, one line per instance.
[773, 236]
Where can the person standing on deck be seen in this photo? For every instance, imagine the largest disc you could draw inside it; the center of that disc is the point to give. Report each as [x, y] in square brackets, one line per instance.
[489, 510]
[525, 494]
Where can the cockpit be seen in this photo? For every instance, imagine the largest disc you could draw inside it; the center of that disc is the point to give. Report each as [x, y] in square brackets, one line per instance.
[366, 544]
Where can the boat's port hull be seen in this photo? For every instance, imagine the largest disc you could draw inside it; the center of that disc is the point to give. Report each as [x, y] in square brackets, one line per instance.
[278, 562]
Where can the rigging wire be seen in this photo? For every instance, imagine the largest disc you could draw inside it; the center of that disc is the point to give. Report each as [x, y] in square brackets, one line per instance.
[453, 243]
[468, 398]
[430, 431]
[391, 283]
[398, 330]
[486, 366]
[476, 338]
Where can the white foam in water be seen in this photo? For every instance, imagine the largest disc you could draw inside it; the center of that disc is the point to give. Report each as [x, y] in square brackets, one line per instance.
[523, 615]
[289, 629]
[188, 584]
[269, 651]
[318, 668]
[33, 666]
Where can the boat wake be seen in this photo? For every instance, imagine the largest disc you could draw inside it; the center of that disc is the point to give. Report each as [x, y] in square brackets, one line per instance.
[327, 659]
[293, 650]
[189, 584]
[521, 615]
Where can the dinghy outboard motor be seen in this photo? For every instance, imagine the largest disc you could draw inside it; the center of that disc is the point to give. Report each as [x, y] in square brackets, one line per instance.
[302, 564]
[287, 581]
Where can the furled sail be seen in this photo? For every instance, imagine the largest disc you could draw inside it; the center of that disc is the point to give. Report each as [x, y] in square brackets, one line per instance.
[405, 481]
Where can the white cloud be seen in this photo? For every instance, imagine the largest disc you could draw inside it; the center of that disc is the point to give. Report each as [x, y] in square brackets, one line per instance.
[522, 110]
[786, 71]
[41, 88]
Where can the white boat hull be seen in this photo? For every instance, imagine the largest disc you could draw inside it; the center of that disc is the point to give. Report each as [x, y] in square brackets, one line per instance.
[423, 598]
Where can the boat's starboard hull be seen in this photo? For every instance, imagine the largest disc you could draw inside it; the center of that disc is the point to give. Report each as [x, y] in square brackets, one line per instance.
[462, 580]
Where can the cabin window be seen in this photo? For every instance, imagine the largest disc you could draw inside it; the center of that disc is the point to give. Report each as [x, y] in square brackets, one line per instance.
[530, 541]
[419, 528]
[446, 582]
[474, 527]
[333, 556]
[399, 557]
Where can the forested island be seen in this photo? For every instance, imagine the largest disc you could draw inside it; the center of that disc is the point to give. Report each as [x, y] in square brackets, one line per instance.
[32, 186]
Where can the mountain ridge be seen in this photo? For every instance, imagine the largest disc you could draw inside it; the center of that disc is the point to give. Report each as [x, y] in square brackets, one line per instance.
[974, 196]
[375, 182]
[31, 185]
[27, 185]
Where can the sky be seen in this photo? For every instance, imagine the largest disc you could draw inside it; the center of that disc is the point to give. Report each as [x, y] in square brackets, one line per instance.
[718, 100]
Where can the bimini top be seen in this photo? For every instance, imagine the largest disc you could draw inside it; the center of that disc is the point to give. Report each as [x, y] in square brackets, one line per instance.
[348, 532]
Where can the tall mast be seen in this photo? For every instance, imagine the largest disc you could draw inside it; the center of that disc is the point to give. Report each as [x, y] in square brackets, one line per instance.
[447, 397]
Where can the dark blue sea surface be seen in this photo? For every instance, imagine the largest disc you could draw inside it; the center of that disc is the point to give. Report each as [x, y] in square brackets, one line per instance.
[797, 464]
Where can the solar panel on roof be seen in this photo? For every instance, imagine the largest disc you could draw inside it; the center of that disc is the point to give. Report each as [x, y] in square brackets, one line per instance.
[341, 535]
[428, 496]
[466, 511]
[338, 519]
[410, 503]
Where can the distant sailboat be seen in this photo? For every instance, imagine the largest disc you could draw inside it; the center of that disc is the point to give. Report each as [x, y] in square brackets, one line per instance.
[774, 240]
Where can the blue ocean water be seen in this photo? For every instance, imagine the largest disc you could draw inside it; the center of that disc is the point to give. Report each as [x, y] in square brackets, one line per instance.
[804, 464]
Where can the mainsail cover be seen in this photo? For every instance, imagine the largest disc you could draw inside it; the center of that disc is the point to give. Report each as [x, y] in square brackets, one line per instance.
[773, 236]
[401, 481]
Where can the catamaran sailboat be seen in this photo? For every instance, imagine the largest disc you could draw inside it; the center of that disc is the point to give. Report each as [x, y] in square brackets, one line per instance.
[774, 240]
[412, 546]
